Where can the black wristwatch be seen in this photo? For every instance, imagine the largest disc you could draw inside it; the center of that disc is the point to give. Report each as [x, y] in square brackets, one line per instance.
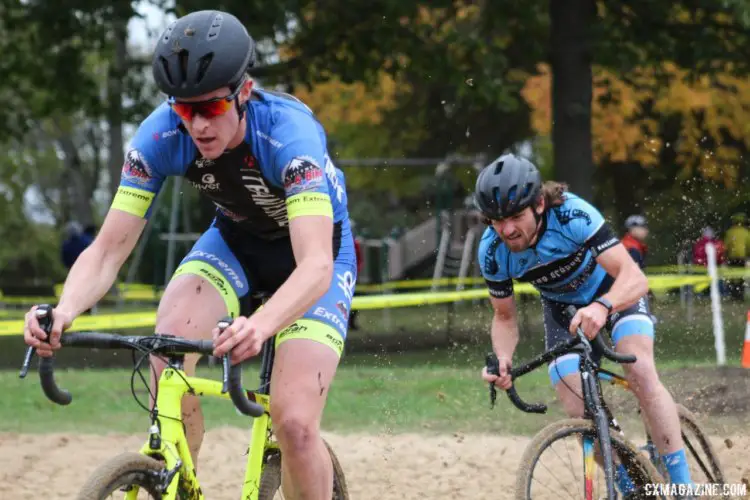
[605, 303]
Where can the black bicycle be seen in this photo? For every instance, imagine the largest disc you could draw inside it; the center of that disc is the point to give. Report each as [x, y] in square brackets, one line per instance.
[602, 450]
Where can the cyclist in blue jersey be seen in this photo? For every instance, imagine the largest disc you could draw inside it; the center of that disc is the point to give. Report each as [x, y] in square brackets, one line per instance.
[281, 227]
[544, 235]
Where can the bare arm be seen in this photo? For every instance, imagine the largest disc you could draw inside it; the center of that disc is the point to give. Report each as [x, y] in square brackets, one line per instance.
[504, 327]
[630, 283]
[312, 243]
[95, 270]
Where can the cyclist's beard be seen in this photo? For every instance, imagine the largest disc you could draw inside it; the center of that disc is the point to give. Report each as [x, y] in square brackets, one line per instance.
[521, 238]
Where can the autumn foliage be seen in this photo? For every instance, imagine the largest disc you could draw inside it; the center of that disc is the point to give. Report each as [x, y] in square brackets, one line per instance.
[628, 118]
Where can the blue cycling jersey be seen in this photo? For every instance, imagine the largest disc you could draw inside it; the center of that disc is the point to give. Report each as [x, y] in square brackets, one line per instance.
[562, 264]
[280, 171]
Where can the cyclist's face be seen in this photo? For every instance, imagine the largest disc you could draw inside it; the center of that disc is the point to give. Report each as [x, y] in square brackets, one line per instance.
[518, 231]
[217, 128]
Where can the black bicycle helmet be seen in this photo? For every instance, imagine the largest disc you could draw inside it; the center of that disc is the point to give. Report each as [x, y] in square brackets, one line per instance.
[201, 52]
[506, 186]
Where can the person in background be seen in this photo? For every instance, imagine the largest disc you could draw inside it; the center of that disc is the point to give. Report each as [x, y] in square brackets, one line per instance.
[358, 254]
[700, 257]
[75, 242]
[635, 238]
[737, 243]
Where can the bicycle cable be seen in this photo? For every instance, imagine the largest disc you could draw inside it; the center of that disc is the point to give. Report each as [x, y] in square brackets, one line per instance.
[152, 394]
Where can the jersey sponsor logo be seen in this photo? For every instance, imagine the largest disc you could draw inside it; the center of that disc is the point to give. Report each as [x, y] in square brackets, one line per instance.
[346, 284]
[266, 137]
[208, 183]
[607, 244]
[229, 214]
[558, 270]
[565, 216]
[302, 174]
[203, 162]
[334, 179]
[324, 313]
[217, 262]
[135, 169]
[273, 206]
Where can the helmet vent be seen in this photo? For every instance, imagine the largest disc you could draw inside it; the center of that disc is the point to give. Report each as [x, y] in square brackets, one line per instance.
[527, 190]
[512, 193]
[183, 58]
[165, 67]
[203, 64]
[498, 167]
[168, 33]
[213, 31]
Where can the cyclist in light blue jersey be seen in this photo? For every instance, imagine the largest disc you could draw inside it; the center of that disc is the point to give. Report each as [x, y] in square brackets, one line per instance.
[281, 229]
[542, 234]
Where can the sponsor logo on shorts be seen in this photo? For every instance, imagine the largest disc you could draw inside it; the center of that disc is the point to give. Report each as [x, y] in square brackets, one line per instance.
[292, 329]
[341, 306]
[346, 284]
[213, 259]
[329, 316]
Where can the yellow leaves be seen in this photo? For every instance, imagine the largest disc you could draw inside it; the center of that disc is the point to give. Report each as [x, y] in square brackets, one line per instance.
[714, 114]
[336, 103]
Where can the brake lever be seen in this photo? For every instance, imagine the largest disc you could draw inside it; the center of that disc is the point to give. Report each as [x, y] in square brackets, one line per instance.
[493, 368]
[223, 324]
[44, 316]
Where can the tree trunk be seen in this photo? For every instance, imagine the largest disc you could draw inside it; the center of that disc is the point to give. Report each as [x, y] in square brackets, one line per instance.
[571, 93]
[114, 112]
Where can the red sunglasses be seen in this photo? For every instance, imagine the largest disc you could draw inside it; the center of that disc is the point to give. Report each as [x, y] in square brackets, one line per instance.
[210, 108]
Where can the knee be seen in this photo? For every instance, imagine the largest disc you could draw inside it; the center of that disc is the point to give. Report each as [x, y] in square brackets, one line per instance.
[642, 376]
[296, 434]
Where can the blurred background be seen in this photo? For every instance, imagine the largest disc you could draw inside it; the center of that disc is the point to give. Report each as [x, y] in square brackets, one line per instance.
[643, 108]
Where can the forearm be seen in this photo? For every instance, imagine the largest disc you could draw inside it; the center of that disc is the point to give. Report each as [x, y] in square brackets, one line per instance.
[629, 286]
[90, 278]
[307, 283]
[504, 335]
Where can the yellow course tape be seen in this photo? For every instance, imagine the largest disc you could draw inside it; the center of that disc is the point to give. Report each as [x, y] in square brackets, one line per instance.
[147, 319]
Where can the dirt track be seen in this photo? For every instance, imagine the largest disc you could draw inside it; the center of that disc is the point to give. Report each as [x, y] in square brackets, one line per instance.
[402, 467]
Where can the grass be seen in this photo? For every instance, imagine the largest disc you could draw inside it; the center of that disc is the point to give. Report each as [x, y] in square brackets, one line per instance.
[431, 390]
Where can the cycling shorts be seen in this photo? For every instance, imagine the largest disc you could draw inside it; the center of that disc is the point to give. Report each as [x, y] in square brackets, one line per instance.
[239, 265]
[635, 320]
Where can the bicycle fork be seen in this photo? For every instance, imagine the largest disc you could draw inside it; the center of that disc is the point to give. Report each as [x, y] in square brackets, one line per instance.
[595, 409]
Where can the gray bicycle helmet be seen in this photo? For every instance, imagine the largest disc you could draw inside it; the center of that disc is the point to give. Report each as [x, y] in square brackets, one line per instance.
[201, 52]
[507, 186]
[635, 221]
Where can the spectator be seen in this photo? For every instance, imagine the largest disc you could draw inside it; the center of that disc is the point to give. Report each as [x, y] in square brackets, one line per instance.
[737, 242]
[358, 255]
[75, 242]
[635, 238]
[700, 257]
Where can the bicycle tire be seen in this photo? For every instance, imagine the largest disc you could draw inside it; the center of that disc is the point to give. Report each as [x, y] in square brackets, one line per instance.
[688, 420]
[123, 470]
[641, 470]
[270, 480]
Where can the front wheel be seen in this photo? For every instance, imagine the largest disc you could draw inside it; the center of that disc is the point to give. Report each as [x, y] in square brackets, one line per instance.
[270, 480]
[136, 474]
[552, 465]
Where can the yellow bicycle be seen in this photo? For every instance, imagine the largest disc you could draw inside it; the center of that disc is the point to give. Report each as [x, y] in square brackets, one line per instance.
[163, 468]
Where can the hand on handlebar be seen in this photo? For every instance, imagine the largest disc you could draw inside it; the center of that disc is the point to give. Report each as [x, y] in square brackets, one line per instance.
[591, 319]
[34, 335]
[502, 379]
[242, 339]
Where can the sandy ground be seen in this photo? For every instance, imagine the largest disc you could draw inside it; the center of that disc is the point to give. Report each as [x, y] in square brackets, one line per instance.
[378, 467]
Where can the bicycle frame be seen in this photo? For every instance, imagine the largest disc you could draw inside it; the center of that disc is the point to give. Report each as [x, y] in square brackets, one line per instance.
[168, 441]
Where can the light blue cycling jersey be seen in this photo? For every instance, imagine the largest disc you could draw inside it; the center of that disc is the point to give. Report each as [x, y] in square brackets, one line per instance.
[561, 265]
[281, 170]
